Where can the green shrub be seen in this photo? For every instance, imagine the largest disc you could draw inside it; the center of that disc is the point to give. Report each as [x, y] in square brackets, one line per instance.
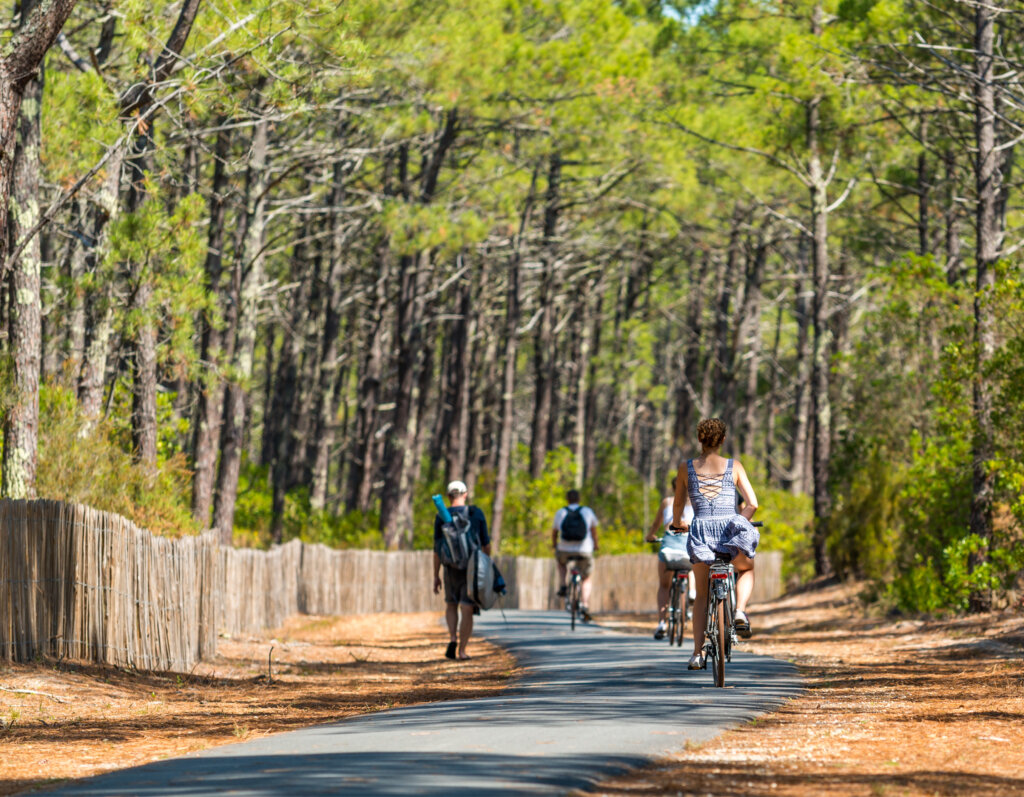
[91, 467]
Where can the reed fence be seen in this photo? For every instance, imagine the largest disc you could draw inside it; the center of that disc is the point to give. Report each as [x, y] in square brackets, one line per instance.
[76, 583]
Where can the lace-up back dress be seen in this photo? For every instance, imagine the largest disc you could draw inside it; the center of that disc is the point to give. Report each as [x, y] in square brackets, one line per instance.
[716, 526]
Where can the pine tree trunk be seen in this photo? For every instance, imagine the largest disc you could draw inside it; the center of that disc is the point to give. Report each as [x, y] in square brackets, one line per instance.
[461, 355]
[820, 346]
[770, 469]
[395, 511]
[594, 352]
[988, 242]
[687, 400]
[722, 371]
[73, 348]
[249, 270]
[207, 424]
[328, 377]
[954, 258]
[543, 353]
[508, 385]
[750, 344]
[21, 428]
[799, 479]
[280, 432]
[363, 463]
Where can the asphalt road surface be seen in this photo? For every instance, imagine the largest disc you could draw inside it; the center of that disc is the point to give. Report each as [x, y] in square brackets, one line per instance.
[592, 703]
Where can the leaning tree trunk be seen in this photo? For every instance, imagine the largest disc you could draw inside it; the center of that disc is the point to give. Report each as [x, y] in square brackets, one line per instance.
[988, 182]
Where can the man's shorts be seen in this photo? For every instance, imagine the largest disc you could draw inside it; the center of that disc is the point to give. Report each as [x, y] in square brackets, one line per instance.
[584, 561]
[455, 586]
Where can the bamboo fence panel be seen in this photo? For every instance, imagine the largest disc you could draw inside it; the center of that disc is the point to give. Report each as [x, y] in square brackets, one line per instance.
[82, 584]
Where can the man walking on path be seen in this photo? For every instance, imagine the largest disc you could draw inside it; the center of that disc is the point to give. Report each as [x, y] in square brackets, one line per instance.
[456, 593]
[574, 536]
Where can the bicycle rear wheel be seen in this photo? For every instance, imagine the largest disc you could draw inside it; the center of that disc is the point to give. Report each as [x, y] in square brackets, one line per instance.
[730, 619]
[673, 611]
[574, 603]
[721, 635]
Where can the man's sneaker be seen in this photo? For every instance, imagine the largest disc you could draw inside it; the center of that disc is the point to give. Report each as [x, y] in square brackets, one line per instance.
[742, 625]
[562, 591]
[696, 662]
[659, 632]
[585, 614]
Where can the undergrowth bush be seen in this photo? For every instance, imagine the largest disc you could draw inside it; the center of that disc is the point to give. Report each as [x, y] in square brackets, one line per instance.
[91, 467]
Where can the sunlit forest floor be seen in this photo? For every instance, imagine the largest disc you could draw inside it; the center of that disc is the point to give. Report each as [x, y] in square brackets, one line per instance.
[893, 707]
[322, 669]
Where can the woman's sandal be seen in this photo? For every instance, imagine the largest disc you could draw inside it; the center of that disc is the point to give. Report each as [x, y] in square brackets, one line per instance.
[696, 662]
[742, 626]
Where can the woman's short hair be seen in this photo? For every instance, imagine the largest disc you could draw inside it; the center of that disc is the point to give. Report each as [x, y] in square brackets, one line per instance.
[711, 432]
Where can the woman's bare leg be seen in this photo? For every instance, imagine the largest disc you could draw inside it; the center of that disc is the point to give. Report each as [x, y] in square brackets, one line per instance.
[700, 606]
[664, 582]
[744, 580]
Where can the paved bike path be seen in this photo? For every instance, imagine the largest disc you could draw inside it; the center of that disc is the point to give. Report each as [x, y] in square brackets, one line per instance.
[591, 703]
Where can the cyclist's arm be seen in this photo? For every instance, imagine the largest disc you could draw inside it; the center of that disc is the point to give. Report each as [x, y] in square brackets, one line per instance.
[743, 485]
[437, 573]
[659, 520]
[593, 534]
[682, 491]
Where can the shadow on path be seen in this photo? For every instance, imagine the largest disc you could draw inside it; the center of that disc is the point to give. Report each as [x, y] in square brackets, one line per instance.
[591, 703]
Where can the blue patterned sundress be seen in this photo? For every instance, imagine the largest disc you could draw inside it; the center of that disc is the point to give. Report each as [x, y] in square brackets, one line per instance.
[716, 526]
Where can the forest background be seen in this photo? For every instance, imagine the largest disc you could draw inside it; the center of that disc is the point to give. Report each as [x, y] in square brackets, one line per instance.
[284, 269]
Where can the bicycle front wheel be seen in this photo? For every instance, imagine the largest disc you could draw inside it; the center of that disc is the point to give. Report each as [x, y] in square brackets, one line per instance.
[683, 592]
[574, 604]
[721, 634]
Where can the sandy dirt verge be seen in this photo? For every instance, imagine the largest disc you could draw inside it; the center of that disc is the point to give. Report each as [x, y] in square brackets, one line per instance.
[322, 669]
[892, 707]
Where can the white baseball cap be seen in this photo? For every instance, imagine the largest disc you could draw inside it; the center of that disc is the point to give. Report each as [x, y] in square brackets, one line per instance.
[457, 487]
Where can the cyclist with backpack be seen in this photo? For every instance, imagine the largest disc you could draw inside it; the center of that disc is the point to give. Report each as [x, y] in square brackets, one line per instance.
[574, 536]
[453, 544]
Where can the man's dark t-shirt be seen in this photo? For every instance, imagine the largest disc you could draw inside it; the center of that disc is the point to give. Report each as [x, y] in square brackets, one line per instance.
[477, 522]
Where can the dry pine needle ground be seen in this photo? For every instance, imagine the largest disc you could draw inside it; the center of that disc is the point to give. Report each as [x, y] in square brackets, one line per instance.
[911, 707]
[323, 669]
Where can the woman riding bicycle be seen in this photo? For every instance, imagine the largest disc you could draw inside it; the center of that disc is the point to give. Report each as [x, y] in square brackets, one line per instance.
[710, 483]
[671, 540]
